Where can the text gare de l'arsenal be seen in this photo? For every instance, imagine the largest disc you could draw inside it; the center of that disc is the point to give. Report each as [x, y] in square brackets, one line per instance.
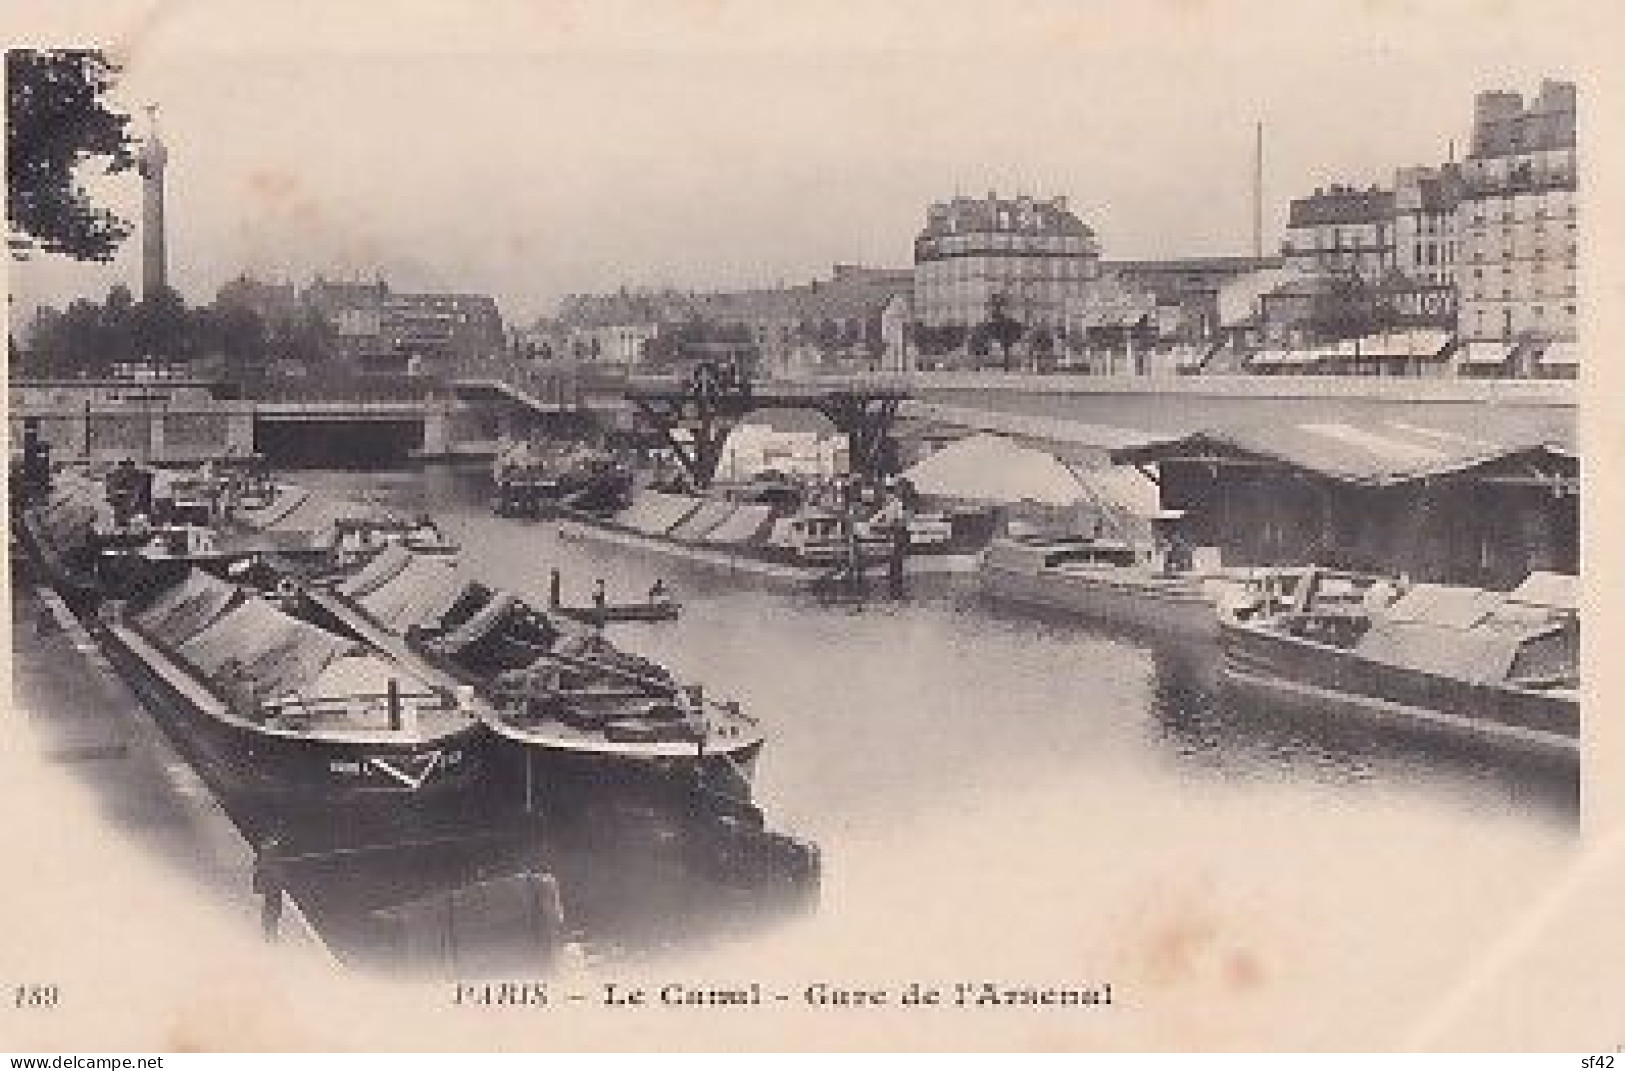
[828, 995]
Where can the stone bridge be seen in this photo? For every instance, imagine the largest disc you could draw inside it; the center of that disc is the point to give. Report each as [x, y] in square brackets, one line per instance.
[466, 410]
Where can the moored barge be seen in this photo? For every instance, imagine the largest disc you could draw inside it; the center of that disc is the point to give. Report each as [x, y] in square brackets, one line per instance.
[290, 716]
[1107, 581]
[571, 714]
[1497, 666]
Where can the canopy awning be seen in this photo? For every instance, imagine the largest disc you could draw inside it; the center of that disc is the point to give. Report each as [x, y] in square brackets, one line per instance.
[991, 468]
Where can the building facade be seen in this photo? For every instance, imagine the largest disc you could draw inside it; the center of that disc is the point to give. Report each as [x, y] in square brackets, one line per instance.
[1187, 289]
[1518, 217]
[852, 317]
[1340, 230]
[1035, 257]
[377, 328]
[1425, 239]
[611, 328]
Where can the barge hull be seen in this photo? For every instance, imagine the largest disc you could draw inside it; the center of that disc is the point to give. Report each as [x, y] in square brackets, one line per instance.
[294, 776]
[1185, 613]
[1303, 672]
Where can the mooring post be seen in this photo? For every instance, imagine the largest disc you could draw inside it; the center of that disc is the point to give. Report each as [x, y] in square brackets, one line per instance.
[394, 693]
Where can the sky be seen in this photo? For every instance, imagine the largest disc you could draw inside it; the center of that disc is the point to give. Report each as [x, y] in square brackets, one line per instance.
[530, 150]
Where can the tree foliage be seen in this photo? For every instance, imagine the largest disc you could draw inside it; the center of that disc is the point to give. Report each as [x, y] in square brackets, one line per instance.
[89, 339]
[1002, 329]
[57, 120]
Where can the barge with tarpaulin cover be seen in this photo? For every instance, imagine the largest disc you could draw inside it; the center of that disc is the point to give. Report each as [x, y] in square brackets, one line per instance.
[821, 533]
[795, 545]
[1499, 666]
[294, 716]
[570, 714]
[58, 525]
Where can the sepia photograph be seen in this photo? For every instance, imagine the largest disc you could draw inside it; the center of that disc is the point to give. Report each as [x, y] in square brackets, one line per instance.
[697, 526]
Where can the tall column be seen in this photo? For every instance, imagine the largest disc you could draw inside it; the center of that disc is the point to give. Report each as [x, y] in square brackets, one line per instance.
[152, 161]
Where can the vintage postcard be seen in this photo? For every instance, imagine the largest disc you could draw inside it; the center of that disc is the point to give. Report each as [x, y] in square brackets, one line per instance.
[906, 526]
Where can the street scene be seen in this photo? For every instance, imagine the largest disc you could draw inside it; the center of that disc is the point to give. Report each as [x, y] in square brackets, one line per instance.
[627, 565]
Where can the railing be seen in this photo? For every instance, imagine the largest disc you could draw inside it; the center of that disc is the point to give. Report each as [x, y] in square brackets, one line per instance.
[339, 387]
[549, 382]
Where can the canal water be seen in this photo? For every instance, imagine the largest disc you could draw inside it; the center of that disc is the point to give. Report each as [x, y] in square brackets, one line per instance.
[994, 789]
[1007, 797]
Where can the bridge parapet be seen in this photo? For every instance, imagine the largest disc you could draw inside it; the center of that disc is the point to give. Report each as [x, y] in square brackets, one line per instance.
[547, 386]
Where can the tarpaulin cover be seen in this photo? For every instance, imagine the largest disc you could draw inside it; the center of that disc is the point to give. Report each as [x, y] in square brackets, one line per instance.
[319, 512]
[1444, 605]
[655, 512]
[708, 516]
[747, 524]
[1464, 633]
[420, 593]
[187, 608]
[1479, 655]
[1560, 591]
[477, 627]
[258, 648]
[357, 688]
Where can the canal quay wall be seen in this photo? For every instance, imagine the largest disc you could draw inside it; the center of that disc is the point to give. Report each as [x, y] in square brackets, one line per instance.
[91, 729]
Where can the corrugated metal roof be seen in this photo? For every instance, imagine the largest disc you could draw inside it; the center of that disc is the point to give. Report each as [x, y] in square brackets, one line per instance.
[1377, 452]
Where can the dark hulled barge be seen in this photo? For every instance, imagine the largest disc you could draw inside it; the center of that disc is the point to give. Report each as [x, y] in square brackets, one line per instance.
[1503, 667]
[570, 715]
[292, 715]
